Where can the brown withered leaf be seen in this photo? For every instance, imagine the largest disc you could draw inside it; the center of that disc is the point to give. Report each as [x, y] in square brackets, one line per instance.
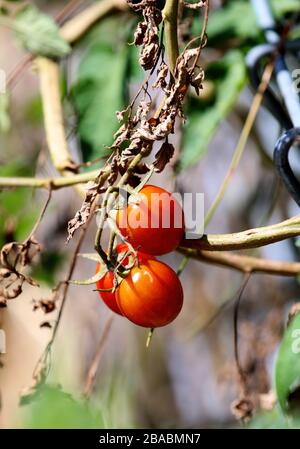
[196, 5]
[161, 80]
[28, 250]
[14, 253]
[8, 256]
[114, 170]
[45, 324]
[133, 149]
[148, 55]
[242, 408]
[122, 135]
[163, 156]
[82, 215]
[295, 309]
[139, 34]
[120, 115]
[14, 256]
[137, 6]
[15, 291]
[197, 81]
[142, 111]
[46, 305]
[147, 32]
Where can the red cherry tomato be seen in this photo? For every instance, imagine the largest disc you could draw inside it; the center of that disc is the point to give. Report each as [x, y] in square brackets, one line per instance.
[154, 222]
[106, 283]
[151, 295]
[107, 280]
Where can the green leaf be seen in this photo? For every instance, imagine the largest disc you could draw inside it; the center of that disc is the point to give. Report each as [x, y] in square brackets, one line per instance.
[39, 34]
[99, 90]
[238, 19]
[287, 370]
[274, 419]
[16, 206]
[4, 113]
[229, 76]
[52, 408]
[281, 8]
[235, 20]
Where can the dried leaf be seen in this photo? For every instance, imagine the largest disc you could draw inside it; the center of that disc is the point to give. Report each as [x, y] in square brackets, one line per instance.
[196, 5]
[147, 32]
[82, 216]
[120, 115]
[46, 305]
[161, 80]
[242, 408]
[295, 309]
[163, 156]
[46, 324]
[3, 303]
[140, 33]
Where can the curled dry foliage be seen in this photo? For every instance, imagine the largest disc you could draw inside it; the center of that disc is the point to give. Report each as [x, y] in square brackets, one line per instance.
[196, 5]
[295, 309]
[163, 156]
[47, 305]
[13, 258]
[242, 408]
[140, 127]
[147, 32]
[93, 189]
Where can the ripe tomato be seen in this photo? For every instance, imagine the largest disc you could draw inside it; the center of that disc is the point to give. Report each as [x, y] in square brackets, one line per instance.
[154, 222]
[106, 283]
[107, 280]
[151, 295]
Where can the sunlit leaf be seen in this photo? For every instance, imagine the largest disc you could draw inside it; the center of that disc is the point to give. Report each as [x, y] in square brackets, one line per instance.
[287, 373]
[237, 19]
[39, 34]
[52, 408]
[99, 90]
[274, 419]
[16, 205]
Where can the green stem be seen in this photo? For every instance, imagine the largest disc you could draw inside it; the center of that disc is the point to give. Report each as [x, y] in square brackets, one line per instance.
[55, 183]
[252, 238]
[170, 17]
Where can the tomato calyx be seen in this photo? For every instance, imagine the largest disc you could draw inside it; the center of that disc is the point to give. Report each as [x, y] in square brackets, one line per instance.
[121, 262]
[122, 259]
